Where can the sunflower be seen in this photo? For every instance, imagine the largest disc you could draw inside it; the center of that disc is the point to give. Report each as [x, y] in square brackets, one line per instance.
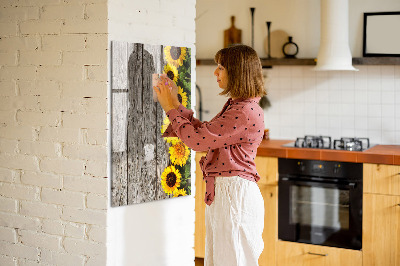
[180, 192]
[175, 55]
[171, 72]
[179, 153]
[164, 127]
[182, 96]
[170, 179]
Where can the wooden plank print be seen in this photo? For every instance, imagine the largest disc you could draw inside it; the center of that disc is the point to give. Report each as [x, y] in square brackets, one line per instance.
[145, 166]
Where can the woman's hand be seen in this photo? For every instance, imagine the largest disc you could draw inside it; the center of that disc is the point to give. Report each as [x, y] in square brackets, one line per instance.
[164, 90]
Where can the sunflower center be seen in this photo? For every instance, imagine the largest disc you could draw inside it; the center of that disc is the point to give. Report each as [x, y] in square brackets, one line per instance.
[170, 74]
[180, 98]
[171, 179]
[180, 149]
[175, 53]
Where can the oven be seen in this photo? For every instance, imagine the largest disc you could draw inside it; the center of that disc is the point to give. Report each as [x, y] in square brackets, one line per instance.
[320, 202]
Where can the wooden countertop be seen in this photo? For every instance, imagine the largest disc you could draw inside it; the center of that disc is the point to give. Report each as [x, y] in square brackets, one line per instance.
[379, 154]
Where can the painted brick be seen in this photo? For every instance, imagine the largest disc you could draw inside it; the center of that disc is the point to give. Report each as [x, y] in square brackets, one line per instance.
[19, 13]
[88, 88]
[97, 42]
[98, 169]
[39, 87]
[38, 209]
[7, 117]
[66, 42]
[98, 73]
[35, 239]
[94, 201]
[84, 216]
[8, 261]
[26, 262]
[96, 11]
[69, 105]
[68, 135]
[63, 197]
[41, 179]
[53, 227]
[8, 58]
[16, 132]
[40, 27]
[60, 73]
[18, 191]
[8, 205]
[85, 152]
[62, 166]
[8, 234]
[85, 26]
[99, 260]
[75, 230]
[86, 184]
[40, 148]
[18, 250]
[97, 234]
[96, 137]
[7, 88]
[39, 118]
[89, 57]
[60, 258]
[39, 58]
[85, 121]
[18, 72]
[84, 247]
[19, 43]
[19, 221]
[26, 103]
[7, 175]
[17, 161]
[29, 2]
[8, 145]
[62, 12]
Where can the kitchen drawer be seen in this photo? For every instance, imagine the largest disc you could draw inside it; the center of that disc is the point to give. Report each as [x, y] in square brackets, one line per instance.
[381, 179]
[267, 168]
[298, 254]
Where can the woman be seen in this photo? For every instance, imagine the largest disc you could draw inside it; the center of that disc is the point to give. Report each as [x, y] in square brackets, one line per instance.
[235, 207]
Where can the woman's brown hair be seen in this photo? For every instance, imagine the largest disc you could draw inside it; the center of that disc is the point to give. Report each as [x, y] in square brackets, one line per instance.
[245, 78]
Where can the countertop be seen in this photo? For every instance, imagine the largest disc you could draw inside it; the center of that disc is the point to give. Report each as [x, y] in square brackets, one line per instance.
[379, 154]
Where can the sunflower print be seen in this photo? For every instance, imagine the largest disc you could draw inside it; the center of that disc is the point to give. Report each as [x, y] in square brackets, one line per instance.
[175, 55]
[180, 192]
[182, 97]
[170, 179]
[164, 127]
[179, 153]
[171, 72]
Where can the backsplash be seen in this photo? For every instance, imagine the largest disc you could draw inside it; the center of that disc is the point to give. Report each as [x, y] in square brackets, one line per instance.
[337, 104]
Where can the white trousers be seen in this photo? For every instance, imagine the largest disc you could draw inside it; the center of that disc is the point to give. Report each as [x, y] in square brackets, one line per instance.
[234, 223]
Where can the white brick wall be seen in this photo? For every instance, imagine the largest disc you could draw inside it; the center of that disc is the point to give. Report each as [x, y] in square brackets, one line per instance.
[53, 121]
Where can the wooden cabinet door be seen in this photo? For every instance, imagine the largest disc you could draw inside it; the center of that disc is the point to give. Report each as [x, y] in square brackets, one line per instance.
[381, 179]
[200, 207]
[270, 233]
[298, 254]
[381, 230]
[267, 168]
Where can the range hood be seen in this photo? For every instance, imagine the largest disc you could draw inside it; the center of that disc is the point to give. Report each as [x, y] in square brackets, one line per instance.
[334, 51]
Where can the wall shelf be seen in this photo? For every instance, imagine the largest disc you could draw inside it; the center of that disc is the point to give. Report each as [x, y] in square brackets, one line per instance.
[312, 61]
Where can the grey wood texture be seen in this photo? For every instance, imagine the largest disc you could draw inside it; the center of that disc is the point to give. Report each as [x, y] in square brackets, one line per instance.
[139, 153]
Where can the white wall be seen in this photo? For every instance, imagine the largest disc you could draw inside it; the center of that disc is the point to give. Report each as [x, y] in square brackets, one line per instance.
[162, 232]
[338, 104]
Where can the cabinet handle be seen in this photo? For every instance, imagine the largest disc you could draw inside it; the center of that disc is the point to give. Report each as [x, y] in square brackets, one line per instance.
[318, 254]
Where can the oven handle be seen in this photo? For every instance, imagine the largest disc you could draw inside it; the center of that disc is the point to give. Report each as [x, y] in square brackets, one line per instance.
[298, 181]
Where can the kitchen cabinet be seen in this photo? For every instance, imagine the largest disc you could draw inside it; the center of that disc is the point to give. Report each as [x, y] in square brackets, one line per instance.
[381, 215]
[298, 254]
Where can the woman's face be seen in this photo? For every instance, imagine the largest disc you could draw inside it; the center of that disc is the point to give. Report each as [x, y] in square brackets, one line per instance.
[222, 76]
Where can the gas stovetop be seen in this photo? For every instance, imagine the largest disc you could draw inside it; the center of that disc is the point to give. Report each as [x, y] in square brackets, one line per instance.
[325, 142]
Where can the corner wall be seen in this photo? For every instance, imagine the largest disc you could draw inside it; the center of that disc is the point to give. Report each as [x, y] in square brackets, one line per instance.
[53, 120]
[161, 232]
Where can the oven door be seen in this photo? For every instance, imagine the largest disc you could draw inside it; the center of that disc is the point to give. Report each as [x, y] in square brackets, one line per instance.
[321, 212]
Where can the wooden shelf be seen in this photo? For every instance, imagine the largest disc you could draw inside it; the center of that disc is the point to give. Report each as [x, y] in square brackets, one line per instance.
[312, 61]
